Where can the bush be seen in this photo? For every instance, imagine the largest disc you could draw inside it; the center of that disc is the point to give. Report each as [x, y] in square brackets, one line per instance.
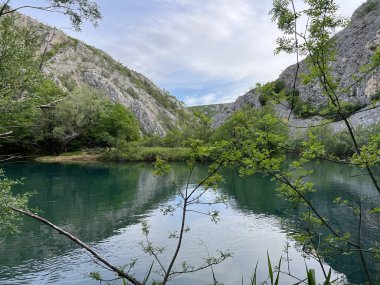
[301, 109]
[124, 152]
[270, 91]
[375, 97]
[347, 109]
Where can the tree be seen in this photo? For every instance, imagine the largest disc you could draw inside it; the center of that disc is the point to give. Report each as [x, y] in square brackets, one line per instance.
[77, 10]
[86, 118]
[319, 238]
[22, 88]
[19, 67]
[115, 123]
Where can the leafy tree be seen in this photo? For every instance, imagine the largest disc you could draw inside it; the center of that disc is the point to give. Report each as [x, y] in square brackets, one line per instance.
[317, 45]
[239, 127]
[23, 89]
[8, 218]
[115, 123]
[87, 118]
[77, 10]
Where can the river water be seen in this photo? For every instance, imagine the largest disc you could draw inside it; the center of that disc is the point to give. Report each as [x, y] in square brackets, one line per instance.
[104, 204]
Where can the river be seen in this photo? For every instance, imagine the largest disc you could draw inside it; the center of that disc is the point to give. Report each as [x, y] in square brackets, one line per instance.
[104, 204]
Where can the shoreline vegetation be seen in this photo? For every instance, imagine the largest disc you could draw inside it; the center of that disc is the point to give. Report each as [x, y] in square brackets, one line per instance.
[114, 155]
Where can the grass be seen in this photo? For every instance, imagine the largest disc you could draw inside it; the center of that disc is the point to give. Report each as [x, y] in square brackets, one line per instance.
[115, 155]
[146, 154]
[78, 157]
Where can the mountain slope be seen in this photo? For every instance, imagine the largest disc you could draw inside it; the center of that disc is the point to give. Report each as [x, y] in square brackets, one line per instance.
[354, 47]
[72, 63]
[208, 110]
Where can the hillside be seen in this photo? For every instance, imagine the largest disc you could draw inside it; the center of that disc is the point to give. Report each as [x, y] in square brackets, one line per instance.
[208, 110]
[72, 63]
[354, 46]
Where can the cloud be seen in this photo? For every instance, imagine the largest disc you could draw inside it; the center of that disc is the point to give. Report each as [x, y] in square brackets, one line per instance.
[201, 51]
[216, 39]
[183, 43]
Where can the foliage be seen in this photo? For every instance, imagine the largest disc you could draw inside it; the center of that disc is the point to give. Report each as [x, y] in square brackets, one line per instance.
[253, 124]
[8, 218]
[273, 91]
[22, 88]
[163, 98]
[87, 118]
[57, 48]
[277, 92]
[132, 92]
[190, 196]
[208, 110]
[345, 109]
[124, 152]
[18, 67]
[115, 123]
[199, 128]
[316, 43]
[77, 10]
[375, 97]
[336, 144]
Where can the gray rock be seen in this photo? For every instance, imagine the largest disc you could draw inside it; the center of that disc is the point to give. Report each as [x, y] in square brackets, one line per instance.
[354, 46]
[72, 63]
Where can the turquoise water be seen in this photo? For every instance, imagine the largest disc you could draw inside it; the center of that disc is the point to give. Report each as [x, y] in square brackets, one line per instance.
[104, 204]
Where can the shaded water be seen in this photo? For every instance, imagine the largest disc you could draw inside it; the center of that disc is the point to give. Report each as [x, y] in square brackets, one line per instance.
[104, 204]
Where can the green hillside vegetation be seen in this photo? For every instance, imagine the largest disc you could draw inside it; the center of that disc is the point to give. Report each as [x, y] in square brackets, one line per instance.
[276, 92]
[208, 110]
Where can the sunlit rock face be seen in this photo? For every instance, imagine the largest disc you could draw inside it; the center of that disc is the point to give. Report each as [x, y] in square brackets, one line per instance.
[72, 63]
[354, 47]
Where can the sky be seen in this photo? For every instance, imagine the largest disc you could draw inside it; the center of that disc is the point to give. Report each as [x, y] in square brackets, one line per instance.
[201, 51]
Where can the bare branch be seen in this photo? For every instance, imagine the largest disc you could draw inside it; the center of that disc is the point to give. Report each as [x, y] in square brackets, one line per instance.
[112, 267]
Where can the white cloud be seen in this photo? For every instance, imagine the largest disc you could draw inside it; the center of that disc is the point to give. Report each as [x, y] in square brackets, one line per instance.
[215, 39]
[200, 46]
[220, 40]
[210, 98]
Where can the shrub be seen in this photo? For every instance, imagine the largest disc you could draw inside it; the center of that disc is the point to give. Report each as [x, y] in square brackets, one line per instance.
[375, 97]
[132, 92]
[301, 109]
[347, 109]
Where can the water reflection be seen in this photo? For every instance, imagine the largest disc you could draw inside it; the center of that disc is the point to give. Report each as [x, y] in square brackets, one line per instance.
[102, 205]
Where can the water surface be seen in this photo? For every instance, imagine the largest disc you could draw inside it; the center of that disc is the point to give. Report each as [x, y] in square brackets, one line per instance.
[104, 204]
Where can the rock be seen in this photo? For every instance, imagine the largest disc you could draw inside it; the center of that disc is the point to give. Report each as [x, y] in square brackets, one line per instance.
[354, 46]
[72, 63]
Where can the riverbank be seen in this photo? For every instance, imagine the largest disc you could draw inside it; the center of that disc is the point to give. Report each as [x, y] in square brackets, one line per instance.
[115, 155]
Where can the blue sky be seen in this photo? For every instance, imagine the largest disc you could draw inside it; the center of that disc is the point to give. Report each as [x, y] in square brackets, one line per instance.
[202, 51]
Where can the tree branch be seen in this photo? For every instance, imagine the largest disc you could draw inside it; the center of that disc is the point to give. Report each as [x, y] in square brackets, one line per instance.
[112, 267]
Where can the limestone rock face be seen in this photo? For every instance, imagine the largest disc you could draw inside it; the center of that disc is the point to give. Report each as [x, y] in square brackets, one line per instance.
[72, 63]
[354, 48]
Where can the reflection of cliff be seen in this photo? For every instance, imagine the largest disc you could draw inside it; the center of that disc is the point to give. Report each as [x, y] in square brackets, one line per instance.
[90, 201]
[253, 194]
[256, 194]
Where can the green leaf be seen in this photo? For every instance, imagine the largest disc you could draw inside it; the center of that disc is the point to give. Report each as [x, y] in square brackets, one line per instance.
[254, 277]
[148, 273]
[311, 277]
[375, 210]
[278, 273]
[327, 281]
[270, 269]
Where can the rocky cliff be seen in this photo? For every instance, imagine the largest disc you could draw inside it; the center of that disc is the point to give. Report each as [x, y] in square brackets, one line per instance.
[354, 47]
[72, 63]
